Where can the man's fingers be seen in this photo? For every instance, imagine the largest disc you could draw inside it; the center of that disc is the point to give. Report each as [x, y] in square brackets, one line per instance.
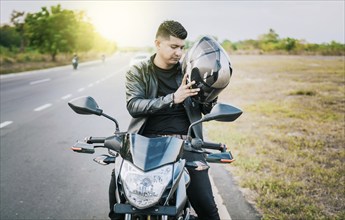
[184, 80]
[193, 92]
[189, 85]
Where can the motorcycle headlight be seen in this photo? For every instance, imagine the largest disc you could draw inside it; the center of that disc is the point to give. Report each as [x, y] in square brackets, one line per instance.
[144, 189]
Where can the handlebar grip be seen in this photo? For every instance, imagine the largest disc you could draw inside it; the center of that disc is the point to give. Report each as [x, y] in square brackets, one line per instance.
[94, 140]
[215, 146]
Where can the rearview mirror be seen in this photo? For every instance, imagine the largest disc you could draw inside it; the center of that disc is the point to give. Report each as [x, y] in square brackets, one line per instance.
[85, 106]
[223, 112]
[220, 112]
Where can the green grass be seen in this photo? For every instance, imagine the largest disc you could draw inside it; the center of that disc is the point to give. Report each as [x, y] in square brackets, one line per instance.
[289, 144]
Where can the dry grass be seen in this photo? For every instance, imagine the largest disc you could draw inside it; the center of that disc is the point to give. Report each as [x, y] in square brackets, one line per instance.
[289, 142]
[34, 61]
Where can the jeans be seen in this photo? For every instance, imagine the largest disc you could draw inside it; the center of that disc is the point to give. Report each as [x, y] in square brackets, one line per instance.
[200, 195]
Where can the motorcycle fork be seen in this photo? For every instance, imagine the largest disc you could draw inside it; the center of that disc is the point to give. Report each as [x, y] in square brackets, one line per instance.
[164, 217]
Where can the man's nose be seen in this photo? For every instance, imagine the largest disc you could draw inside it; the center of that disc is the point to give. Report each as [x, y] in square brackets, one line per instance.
[179, 51]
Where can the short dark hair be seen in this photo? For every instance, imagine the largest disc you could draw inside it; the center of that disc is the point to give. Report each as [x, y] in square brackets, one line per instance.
[172, 28]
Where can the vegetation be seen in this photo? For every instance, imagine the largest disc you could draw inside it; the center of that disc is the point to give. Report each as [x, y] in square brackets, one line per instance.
[53, 32]
[289, 142]
[59, 33]
[271, 43]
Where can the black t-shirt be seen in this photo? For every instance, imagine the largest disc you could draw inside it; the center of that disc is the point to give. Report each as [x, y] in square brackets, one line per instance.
[170, 120]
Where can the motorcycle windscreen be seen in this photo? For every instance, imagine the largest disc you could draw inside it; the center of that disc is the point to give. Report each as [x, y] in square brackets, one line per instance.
[150, 153]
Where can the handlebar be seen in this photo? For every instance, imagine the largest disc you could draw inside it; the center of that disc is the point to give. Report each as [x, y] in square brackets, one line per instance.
[95, 140]
[215, 146]
[197, 143]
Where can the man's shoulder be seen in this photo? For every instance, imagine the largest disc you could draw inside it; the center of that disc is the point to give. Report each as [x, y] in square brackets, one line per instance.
[141, 68]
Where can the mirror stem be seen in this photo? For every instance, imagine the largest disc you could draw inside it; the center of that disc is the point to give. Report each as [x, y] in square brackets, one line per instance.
[190, 128]
[113, 119]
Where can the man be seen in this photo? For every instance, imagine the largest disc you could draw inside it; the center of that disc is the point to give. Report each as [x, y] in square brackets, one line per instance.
[158, 99]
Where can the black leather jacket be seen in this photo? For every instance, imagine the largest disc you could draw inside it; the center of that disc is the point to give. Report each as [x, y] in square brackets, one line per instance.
[142, 100]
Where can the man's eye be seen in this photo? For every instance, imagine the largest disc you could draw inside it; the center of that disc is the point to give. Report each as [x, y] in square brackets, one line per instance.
[175, 47]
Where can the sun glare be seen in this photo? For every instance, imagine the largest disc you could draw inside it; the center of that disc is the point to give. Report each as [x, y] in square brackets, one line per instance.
[127, 23]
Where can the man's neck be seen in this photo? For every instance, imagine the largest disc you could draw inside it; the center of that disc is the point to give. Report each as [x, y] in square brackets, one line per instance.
[161, 64]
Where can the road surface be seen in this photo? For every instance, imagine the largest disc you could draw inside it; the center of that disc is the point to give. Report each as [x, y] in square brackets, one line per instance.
[41, 178]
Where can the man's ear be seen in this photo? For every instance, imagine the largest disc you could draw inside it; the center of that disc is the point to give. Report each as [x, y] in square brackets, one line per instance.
[157, 44]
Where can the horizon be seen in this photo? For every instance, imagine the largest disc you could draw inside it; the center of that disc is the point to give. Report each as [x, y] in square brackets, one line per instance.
[236, 21]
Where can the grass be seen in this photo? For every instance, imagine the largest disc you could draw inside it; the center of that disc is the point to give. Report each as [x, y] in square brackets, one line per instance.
[32, 60]
[289, 144]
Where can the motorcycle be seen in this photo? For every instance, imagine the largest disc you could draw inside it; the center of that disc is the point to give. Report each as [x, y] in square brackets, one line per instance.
[75, 63]
[151, 174]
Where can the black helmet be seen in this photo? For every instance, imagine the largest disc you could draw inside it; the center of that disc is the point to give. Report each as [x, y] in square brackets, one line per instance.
[208, 64]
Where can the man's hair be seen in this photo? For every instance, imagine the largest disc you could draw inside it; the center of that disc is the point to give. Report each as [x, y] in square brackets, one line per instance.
[171, 28]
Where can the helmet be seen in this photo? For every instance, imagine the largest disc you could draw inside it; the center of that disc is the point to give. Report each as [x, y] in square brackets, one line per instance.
[209, 66]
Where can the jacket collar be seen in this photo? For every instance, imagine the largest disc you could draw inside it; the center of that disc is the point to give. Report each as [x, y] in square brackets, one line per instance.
[179, 68]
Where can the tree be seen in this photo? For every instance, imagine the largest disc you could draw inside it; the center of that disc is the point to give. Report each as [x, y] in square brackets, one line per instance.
[270, 37]
[9, 37]
[53, 31]
[84, 28]
[103, 45]
[289, 44]
[17, 19]
[247, 45]
[269, 41]
[228, 46]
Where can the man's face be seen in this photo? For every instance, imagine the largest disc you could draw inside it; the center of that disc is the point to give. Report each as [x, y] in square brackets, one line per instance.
[170, 50]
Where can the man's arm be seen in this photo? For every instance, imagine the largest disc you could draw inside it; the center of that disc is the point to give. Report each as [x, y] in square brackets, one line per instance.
[138, 104]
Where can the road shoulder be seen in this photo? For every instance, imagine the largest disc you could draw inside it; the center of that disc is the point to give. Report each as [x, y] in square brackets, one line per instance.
[232, 197]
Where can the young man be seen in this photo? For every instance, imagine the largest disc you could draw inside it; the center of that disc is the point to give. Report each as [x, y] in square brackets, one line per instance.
[158, 99]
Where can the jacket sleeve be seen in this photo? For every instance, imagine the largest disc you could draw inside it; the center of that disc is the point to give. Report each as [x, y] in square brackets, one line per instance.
[140, 102]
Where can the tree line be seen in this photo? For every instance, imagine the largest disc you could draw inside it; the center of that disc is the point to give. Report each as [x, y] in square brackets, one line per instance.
[56, 30]
[52, 31]
[271, 43]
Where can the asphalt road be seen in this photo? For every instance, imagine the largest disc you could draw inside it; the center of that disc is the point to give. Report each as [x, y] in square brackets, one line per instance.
[41, 178]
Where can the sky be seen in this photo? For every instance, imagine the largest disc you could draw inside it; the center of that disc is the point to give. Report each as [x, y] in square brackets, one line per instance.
[134, 23]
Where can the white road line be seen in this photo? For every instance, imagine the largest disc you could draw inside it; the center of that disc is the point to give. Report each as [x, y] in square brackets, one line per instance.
[39, 81]
[81, 89]
[66, 96]
[4, 124]
[90, 85]
[42, 107]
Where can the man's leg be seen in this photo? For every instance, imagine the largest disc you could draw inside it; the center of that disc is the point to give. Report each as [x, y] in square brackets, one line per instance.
[200, 195]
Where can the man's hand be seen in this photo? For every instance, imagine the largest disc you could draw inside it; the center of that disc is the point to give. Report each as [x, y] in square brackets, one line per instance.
[185, 91]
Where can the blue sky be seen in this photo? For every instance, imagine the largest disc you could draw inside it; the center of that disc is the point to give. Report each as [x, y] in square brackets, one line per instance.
[134, 23]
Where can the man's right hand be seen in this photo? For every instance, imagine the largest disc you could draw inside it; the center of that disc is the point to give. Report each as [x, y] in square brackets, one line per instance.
[185, 90]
